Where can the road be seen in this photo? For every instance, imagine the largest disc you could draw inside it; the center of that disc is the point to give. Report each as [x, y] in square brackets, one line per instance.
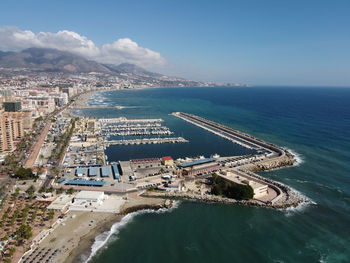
[37, 146]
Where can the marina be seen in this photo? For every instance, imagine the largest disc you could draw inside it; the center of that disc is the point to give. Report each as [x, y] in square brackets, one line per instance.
[125, 120]
[142, 128]
[147, 141]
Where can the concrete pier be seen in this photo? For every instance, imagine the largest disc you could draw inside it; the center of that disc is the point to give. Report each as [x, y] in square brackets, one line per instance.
[125, 120]
[147, 141]
[231, 134]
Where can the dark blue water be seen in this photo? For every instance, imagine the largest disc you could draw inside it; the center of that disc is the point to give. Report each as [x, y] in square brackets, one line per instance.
[314, 122]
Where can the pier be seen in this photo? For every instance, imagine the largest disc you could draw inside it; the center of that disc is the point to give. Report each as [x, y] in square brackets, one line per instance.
[125, 120]
[147, 141]
[146, 128]
[243, 139]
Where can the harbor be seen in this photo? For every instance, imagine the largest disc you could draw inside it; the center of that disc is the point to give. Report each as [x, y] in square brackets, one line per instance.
[106, 187]
[147, 141]
[86, 165]
[134, 129]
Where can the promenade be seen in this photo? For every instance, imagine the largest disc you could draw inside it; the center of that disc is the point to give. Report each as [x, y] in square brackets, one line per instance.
[37, 146]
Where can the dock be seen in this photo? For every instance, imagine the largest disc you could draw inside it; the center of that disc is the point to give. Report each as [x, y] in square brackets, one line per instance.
[125, 120]
[132, 129]
[147, 141]
[236, 136]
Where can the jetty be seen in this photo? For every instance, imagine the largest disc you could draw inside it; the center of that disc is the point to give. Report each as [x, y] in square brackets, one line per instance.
[147, 141]
[145, 128]
[236, 136]
[125, 120]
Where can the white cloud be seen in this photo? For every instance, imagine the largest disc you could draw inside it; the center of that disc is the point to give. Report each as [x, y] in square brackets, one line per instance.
[125, 49]
[122, 50]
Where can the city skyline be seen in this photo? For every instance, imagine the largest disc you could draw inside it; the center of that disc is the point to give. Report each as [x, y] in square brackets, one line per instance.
[270, 43]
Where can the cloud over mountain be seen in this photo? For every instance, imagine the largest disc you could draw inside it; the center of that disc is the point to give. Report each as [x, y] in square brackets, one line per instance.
[121, 51]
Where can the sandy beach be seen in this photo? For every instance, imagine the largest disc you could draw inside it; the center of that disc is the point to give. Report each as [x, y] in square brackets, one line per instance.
[72, 239]
[81, 250]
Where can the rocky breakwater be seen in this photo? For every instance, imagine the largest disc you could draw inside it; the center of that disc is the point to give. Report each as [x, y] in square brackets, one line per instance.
[285, 160]
[209, 198]
[287, 197]
[166, 205]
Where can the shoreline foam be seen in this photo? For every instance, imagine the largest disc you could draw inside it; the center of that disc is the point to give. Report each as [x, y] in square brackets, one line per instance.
[107, 236]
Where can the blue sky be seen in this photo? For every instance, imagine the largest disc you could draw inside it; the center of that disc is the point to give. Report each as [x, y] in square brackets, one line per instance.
[299, 42]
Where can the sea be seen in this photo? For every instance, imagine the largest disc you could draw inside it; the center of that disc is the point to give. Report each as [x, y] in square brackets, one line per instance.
[313, 122]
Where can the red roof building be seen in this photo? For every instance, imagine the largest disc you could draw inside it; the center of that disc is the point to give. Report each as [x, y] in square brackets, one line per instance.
[167, 160]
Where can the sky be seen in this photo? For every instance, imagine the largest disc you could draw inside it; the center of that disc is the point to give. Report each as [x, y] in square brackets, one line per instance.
[258, 42]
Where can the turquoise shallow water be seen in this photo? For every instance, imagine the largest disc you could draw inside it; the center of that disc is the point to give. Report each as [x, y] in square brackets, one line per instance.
[314, 122]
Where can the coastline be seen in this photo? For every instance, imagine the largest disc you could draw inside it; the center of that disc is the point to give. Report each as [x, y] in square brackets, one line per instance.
[155, 200]
[82, 250]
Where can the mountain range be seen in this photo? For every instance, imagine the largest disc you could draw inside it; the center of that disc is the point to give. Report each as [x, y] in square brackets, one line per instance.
[56, 61]
[52, 60]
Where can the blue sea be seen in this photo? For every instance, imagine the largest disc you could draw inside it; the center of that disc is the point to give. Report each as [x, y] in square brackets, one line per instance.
[314, 122]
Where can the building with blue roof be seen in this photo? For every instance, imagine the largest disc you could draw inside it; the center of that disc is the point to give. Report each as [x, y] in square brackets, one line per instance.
[80, 171]
[93, 171]
[197, 162]
[61, 180]
[115, 170]
[81, 182]
[105, 171]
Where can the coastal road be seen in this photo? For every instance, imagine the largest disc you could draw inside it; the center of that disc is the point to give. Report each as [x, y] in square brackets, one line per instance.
[37, 146]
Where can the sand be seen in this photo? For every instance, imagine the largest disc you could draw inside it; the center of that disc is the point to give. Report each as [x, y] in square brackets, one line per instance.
[76, 227]
[82, 250]
[77, 232]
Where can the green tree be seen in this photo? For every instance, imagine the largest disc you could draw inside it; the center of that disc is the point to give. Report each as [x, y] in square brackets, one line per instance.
[59, 190]
[30, 191]
[35, 213]
[70, 191]
[51, 214]
[23, 173]
[15, 194]
[230, 189]
[42, 190]
[12, 251]
[24, 232]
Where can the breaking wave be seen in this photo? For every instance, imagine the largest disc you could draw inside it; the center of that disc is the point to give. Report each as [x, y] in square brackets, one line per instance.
[298, 156]
[102, 240]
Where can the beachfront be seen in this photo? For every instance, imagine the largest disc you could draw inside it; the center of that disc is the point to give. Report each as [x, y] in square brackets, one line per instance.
[166, 178]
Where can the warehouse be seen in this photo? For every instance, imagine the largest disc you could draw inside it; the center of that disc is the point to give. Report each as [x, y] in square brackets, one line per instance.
[93, 171]
[80, 182]
[116, 173]
[105, 171]
[80, 172]
[201, 169]
[198, 162]
[202, 166]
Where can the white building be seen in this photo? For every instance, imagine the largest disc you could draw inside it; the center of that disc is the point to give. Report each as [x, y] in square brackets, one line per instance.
[259, 189]
[89, 198]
